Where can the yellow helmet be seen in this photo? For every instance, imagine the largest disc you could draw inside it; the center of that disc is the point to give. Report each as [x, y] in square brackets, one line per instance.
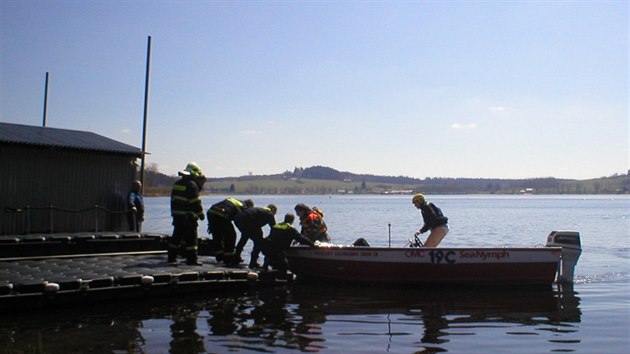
[418, 198]
[192, 169]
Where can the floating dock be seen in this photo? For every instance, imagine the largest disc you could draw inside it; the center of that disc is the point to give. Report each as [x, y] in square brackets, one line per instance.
[40, 271]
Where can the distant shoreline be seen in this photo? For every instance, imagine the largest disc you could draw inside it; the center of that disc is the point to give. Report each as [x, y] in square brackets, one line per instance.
[324, 181]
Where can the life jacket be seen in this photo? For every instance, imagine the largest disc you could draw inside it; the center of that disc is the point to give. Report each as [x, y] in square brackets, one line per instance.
[318, 211]
[314, 222]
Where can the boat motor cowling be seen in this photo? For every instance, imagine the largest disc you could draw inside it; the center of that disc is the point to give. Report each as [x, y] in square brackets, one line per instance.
[571, 250]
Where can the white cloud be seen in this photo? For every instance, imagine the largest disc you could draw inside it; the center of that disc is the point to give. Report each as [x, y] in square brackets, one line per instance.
[126, 131]
[464, 126]
[249, 132]
[497, 109]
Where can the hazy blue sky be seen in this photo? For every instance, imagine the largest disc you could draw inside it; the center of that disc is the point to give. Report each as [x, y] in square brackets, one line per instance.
[416, 88]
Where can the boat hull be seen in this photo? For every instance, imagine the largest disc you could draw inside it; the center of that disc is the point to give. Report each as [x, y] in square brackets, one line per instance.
[427, 265]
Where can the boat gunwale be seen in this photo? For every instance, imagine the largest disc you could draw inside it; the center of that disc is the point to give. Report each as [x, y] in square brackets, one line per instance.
[360, 248]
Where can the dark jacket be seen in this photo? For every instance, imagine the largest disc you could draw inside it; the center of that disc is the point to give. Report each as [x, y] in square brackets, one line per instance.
[432, 217]
[254, 217]
[283, 234]
[135, 200]
[185, 200]
[227, 208]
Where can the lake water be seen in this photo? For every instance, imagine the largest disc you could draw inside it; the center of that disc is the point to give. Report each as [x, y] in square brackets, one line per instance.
[593, 316]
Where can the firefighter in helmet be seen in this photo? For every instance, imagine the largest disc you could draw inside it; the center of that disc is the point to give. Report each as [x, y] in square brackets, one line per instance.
[186, 209]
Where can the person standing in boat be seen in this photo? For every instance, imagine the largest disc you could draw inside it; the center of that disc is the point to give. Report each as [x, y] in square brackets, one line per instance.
[279, 240]
[220, 218]
[135, 203]
[434, 221]
[186, 209]
[250, 222]
[312, 221]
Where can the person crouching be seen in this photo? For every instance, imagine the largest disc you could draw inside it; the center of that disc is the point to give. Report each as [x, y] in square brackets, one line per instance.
[279, 240]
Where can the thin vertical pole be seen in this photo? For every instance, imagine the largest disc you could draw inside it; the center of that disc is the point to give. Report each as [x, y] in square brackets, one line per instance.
[146, 110]
[45, 100]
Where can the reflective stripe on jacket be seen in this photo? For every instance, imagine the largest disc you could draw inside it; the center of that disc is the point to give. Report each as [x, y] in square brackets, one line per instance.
[227, 208]
[185, 200]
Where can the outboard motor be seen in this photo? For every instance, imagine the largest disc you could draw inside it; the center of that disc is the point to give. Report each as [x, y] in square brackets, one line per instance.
[571, 250]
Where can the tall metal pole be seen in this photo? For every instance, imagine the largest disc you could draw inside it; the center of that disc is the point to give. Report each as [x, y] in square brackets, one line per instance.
[146, 110]
[45, 100]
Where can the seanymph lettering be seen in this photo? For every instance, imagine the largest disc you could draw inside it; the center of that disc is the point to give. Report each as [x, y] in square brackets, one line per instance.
[484, 255]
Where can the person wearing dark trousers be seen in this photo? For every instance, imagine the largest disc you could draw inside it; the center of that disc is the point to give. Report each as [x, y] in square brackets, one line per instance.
[186, 209]
[250, 223]
[220, 217]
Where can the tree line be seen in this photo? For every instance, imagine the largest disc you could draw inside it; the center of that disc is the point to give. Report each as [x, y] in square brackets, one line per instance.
[326, 180]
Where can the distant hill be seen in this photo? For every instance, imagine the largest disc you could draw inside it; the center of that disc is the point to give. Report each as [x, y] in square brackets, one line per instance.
[326, 180]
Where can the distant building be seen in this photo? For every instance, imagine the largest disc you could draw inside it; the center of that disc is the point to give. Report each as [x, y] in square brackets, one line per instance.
[58, 180]
[527, 191]
[400, 191]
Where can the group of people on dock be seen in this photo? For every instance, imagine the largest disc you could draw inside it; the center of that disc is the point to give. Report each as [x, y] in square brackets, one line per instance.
[227, 215]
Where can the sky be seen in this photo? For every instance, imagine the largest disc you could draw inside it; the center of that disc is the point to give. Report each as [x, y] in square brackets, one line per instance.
[479, 89]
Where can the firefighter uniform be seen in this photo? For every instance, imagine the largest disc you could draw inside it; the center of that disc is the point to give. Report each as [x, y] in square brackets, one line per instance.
[186, 209]
[220, 217]
[279, 240]
[250, 223]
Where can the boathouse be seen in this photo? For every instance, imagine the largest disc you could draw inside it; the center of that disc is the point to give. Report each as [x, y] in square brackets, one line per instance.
[58, 180]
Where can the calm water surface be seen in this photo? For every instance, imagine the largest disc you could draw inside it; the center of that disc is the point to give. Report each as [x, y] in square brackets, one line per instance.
[593, 316]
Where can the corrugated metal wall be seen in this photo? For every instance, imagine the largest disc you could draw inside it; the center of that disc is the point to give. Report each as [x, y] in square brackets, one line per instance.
[44, 190]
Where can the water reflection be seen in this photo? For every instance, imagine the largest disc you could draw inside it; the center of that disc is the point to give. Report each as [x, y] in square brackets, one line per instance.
[308, 318]
[441, 313]
[184, 335]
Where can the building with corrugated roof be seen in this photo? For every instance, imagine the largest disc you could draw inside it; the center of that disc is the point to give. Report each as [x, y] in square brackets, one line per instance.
[59, 180]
